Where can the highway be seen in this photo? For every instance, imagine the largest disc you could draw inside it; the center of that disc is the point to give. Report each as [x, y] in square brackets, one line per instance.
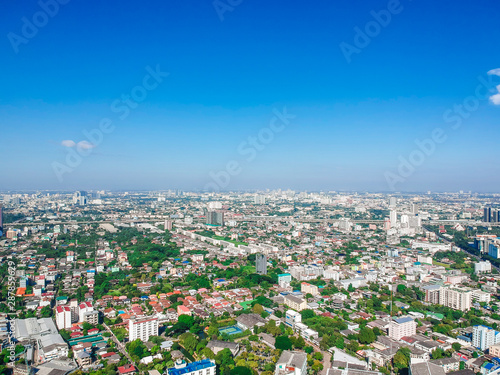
[250, 219]
[478, 258]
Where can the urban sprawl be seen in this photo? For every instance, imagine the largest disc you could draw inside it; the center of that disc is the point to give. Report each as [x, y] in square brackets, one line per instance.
[273, 282]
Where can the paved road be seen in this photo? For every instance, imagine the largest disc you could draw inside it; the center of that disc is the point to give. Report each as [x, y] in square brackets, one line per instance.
[326, 357]
[120, 346]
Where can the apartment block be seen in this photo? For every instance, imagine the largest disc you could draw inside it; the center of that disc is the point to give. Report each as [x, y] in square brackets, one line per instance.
[401, 327]
[142, 328]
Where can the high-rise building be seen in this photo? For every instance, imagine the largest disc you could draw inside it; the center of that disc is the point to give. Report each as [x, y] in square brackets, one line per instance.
[393, 216]
[142, 328]
[432, 293]
[401, 327]
[260, 199]
[414, 208]
[284, 280]
[1, 220]
[392, 202]
[261, 264]
[454, 297]
[63, 317]
[495, 216]
[215, 218]
[481, 267]
[80, 198]
[483, 337]
[487, 214]
[168, 224]
[84, 308]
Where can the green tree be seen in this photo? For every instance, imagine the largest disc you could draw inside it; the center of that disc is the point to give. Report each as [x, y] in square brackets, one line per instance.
[213, 330]
[46, 312]
[401, 359]
[224, 359]
[283, 343]
[366, 336]
[188, 341]
[240, 370]
[258, 309]
[307, 314]
[184, 322]
[437, 353]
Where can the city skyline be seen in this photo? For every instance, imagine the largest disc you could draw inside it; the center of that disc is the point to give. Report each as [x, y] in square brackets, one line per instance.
[387, 96]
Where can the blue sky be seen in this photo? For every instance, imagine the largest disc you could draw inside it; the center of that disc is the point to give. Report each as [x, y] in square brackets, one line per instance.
[353, 121]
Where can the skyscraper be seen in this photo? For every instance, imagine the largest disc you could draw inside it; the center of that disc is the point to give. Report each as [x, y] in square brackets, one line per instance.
[168, 224]
[259, 199]
[487, 215]
[393, 217]
[80, 198]
[215, 218]
[495, 214]
[414, 208]
[392, 202]
[1, 220]
[261, 264]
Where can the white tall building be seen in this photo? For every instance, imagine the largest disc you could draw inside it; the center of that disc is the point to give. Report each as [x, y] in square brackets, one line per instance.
[284, 280]
[83, 308]
[393, 217]
[481, 296]
[168, 224]
[482, 267]
[292, 318]
[392, 202]
[142, 328]
[456, 298]
[63, 317]
[260, 199]
[401, 327]
[332, 274]
[483, 337]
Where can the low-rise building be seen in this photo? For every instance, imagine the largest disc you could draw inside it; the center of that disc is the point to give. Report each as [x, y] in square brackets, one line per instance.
[295, 302]
[203, 367]
[291, 363]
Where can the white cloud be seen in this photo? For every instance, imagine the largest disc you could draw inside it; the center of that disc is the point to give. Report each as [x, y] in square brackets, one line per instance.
[84, 145]
[68, 143]
[495, 98]
[494, 72]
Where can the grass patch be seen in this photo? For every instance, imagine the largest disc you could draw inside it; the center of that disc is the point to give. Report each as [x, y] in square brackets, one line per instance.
[447, 266]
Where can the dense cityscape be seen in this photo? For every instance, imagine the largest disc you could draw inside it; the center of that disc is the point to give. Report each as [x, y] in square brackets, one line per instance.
[275, 282]
[236, 187]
